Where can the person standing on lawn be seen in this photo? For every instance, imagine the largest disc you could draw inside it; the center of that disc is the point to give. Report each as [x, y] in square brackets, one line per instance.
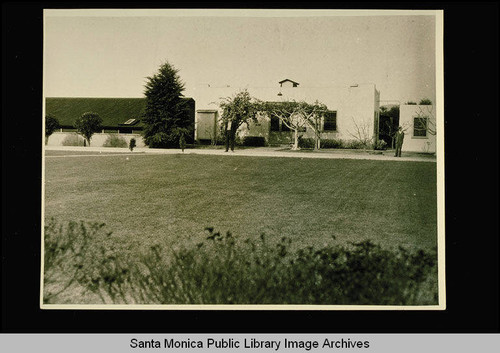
[237, 110]
[182, 141]
[400, 135]
[230, 135]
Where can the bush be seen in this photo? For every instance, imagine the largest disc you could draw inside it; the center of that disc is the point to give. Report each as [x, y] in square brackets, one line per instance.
[380, 145]
[51, 125]
[83, 253]
[306, 142]
[73, 140]
[221, 272]
[254, 141]
[114, 140]
[354, 145]
[332, 143]
[225, 270]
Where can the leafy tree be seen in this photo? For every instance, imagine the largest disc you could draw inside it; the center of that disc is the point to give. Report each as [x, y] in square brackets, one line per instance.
[51, 125]
[88, 124]
[313, 115]
[236, 111]
[180, 133]
[289, 113]
[166, 109]
[296, 116]
[389, 122]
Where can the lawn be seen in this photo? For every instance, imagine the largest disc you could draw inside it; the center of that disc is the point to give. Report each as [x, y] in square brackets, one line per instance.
[170, 199]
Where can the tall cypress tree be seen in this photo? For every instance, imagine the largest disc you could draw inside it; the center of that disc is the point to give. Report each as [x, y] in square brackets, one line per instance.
[166, 109]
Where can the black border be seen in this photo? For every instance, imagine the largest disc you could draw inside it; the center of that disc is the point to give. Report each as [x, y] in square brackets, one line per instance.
[471, 93]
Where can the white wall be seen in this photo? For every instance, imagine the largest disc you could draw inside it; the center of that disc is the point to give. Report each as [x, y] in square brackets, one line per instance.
[98, 140]
[413, 143]
[356, 106]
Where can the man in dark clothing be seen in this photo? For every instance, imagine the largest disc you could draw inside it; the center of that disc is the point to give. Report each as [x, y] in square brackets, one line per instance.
[400, 135]
[230, 135]
[182, 142]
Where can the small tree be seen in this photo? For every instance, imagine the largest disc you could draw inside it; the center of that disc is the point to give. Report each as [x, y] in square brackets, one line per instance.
[425, 101]
[362, 133]
[51, 125]
[236, 111]
[180, 134]
[88, 124]
[313, 114]
[296, 116]
[166, 109]
[131, 144]
[289, 113]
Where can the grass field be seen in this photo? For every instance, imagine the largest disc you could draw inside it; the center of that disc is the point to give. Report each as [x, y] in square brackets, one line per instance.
[170, 199]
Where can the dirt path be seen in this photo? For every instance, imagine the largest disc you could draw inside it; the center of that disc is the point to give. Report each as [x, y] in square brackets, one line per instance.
[252, 152]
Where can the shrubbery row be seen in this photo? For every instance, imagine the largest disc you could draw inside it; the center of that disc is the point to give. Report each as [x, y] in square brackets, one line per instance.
[115, 140]
[224, 270]
[307, 142]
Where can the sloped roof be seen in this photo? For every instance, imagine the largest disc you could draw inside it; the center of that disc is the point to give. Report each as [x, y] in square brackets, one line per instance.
[113, 111]
[288, 80]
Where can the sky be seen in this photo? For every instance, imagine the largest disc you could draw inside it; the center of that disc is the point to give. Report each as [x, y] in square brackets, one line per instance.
[110, 54]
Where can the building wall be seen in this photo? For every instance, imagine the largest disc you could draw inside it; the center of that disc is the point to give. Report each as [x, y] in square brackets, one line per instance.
[411, 142]
[357, 106]
[98, 140]
[205, 128]
[357, 113]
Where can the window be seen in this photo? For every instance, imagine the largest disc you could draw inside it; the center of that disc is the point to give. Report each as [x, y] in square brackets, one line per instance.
[420, 126]
[330, 121]
[284, 127]
[275, 124]
[130, 122]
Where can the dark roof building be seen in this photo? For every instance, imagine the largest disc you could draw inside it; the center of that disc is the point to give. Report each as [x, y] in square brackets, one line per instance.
[122, 114]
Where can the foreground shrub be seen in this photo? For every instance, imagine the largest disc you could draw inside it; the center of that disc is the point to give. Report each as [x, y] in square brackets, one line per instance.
[115, 141]
[220, 272]
[83, 253]
[225, 270]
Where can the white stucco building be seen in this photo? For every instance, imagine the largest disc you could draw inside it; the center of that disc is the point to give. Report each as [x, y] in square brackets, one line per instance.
[419, 125]
[352, 109]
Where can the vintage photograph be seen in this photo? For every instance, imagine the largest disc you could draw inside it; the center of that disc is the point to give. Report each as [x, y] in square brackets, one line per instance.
[243, 159]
